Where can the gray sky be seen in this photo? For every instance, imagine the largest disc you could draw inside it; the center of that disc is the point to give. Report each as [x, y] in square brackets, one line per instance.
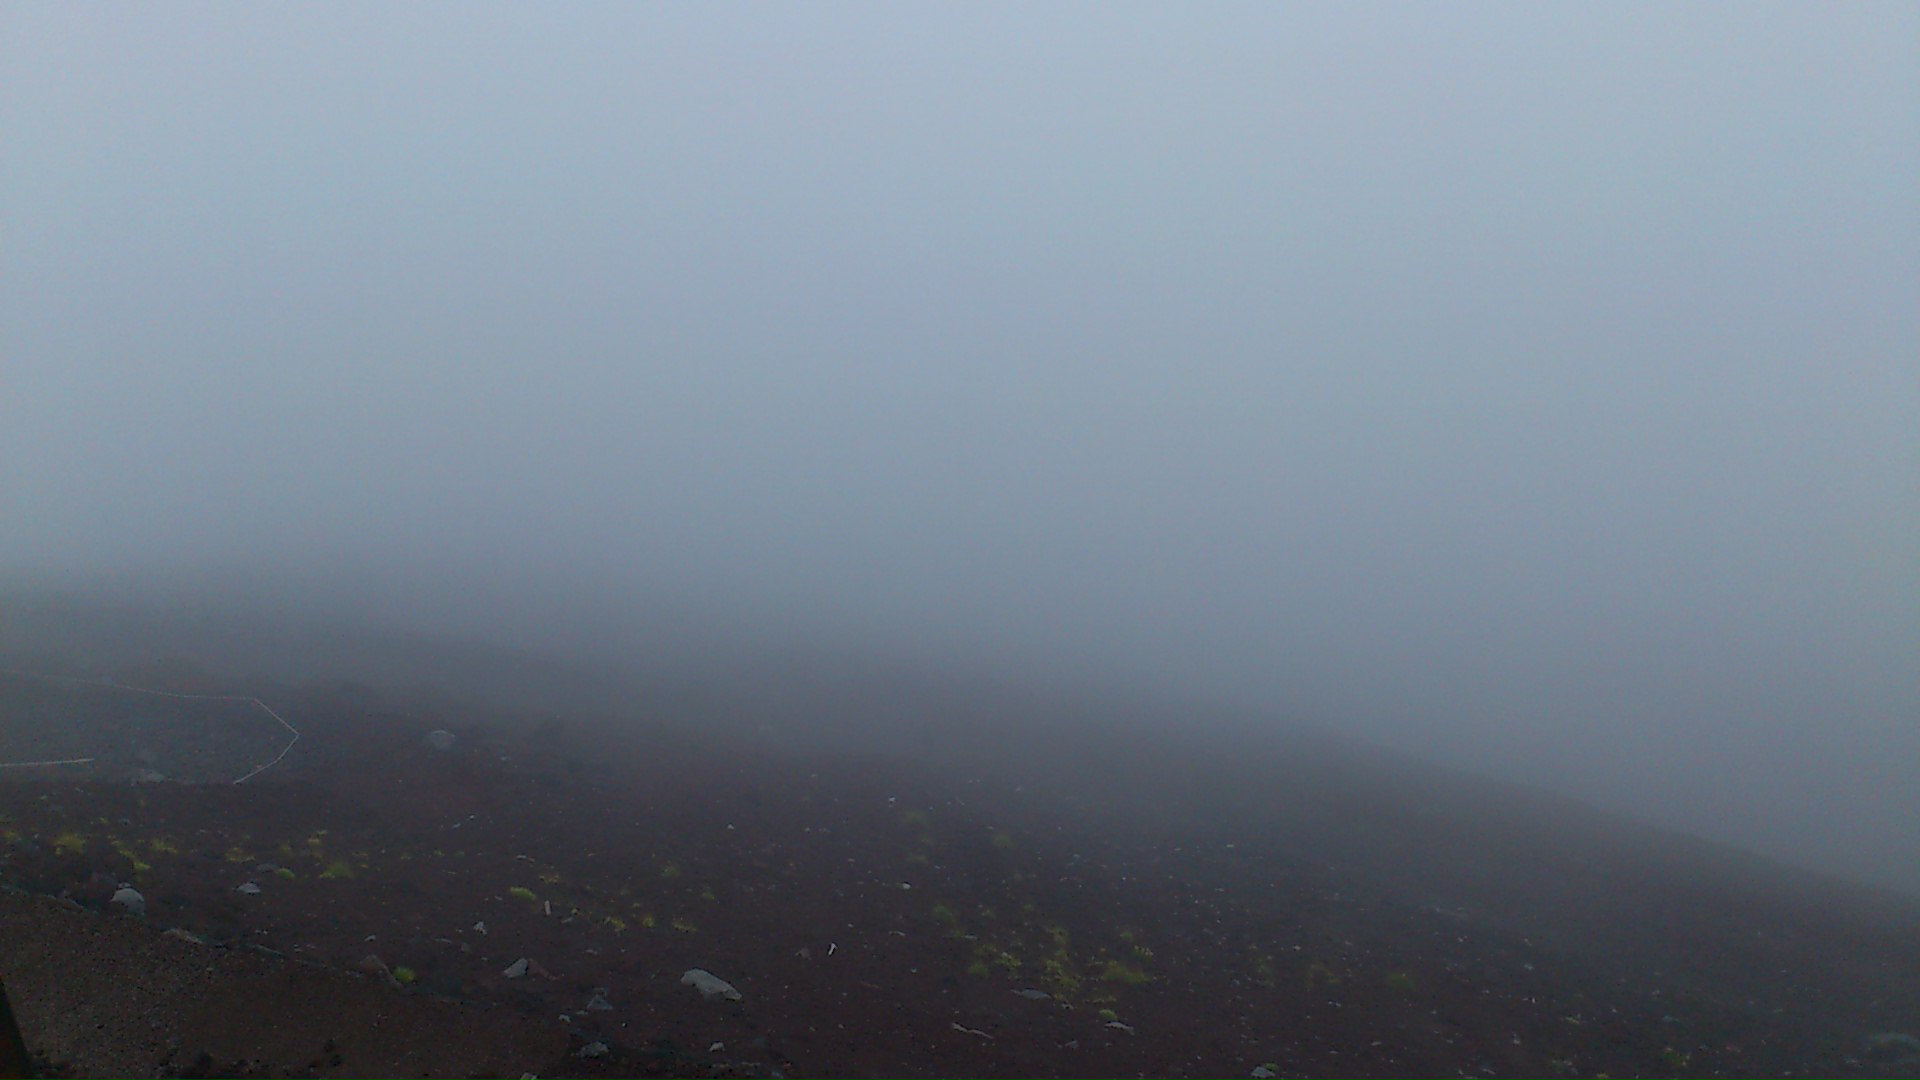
[1533, 386]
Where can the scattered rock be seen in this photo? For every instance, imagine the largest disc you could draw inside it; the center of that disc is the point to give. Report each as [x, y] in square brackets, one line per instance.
[186, 936]
[249, 889]
[130, 899]
[518, 968]
[599, 1003]
[592, 1050]
[711, 986]
[1119, 1026]
[440, 740]
[716, 1047]
[1262, 1072]
[376, 967]
[1034, 995]
[480, 927]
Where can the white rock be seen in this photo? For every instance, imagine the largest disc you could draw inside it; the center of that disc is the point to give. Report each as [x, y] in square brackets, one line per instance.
[249, 889]
[517, 968]
[130, 899]
[710, 985]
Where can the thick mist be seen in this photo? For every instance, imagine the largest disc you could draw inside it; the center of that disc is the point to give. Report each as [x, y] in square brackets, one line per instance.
[1529, 388]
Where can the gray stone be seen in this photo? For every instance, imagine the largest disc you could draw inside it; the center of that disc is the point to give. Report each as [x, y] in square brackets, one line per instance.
[249, 889]
[711, 986]
[131, 900]
[518, 968]
[440, 740]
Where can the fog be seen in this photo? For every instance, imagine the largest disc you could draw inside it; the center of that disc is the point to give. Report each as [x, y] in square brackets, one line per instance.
[1528, 388]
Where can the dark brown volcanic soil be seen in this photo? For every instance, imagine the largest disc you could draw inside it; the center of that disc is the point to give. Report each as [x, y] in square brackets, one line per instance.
[1183, 910]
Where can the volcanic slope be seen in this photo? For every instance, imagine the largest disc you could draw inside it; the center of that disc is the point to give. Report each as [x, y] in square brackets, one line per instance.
[1074, 899]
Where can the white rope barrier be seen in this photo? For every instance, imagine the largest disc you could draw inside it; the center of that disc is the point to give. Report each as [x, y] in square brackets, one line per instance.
[264, 707]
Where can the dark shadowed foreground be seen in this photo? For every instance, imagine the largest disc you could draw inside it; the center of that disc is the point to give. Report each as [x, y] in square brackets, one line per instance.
[1067, 900]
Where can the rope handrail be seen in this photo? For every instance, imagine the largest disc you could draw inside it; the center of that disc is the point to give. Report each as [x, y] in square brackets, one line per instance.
[295, 732]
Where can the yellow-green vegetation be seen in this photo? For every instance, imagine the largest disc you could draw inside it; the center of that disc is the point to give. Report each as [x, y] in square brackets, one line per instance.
[619, 924]
[237, 854]
[1008, 961]
[1122, 972]
[944, 915]
[126, 850]
[1318, 973]
[160, 845]
[1109, 1015]
[684, 926]
[1061, 978]
[1264, 973]
[523, 894]
[404, 976]
[283, 872]
[706, 893]
[550, 877]
[337, 869]
[69, 843]
[1400, 981]
[979, 968]
[647, 921]
[670, 870]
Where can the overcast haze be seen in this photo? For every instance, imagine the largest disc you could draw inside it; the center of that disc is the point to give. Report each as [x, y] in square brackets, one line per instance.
[1532, 387]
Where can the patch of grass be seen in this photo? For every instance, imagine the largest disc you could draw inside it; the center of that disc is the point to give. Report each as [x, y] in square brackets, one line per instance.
[404, 976]
[684, 926]
[670, 870]
[706, 893]
[1122, 972]
[237, 854]
[338, 869]
[619, 924]
[1109, 1015]
[160, 845]
[979, 968]
[523, 894]
[69, 843]
[283, 873]
[1058, 975]
[944, 915]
